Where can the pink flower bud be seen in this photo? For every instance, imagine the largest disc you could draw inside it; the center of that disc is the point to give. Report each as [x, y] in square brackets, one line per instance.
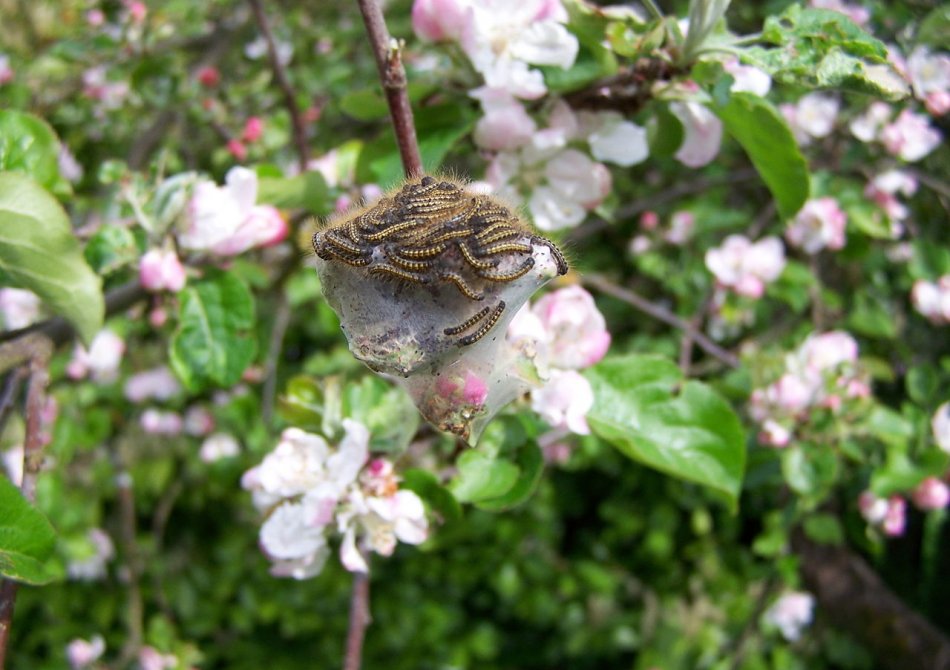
[938, 103]
[95, 17]
[237, 149]
[895, 518]
[872, 508]
[209, 76]
[649, 220]
[137, 10]
[161, 270]
[158, 317]
[931, 494]
[253, 129]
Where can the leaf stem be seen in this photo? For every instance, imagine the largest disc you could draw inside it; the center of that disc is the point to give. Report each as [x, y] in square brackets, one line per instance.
[359, 619]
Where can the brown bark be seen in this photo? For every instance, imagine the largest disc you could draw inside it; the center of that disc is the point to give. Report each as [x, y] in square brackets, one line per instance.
[854, 598]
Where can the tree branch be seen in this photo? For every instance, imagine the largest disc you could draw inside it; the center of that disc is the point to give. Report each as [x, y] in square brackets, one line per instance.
[40, 349]
[280, 74]
[853, 597]
[359, 619]
[661, 314]
[393, 77]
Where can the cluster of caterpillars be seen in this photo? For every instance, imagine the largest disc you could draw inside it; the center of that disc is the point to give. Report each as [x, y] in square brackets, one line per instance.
[434, 231]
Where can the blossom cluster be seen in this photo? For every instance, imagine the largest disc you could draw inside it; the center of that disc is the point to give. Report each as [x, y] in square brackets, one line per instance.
[746, 267]
[309, 489]
[563, 332]
[821, 375]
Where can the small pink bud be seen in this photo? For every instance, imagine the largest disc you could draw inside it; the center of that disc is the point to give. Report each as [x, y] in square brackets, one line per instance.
[161, 270]
[649, 220]
[209, 76]
[253, 129]
[895, 519]
[931, 494]
[237, 149]
[158, 317]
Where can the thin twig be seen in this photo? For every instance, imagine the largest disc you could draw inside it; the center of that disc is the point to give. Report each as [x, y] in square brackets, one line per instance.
[393, 77]
[277, 333]
[359, 619]
[135, 609]
[11, 385]
[280, 74]
[661, 314]
[40, 351]
[8, 589]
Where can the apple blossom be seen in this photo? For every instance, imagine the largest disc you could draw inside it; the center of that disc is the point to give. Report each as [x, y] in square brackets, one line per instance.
[506, 124]
[931, 494]
[151, 658]
[158, 422]
[440, 20]
[160, 270]
[791, 613]
[576, 333]
[258, 49]
[290, 533]
[82, 653]
[940, 424]
[564, 401]
[69, 167]
[12, 460]
[96, 86]
[91, 565]
[746, 267]
[826, 351]
[932, 299]
[820, 224]
[872, 508]
[702, 133]
[198, 421]
[616, 140]
[218, 446]
[101, 361]
[155, 384]
[747, 78]
[682, 224]
[910, 137]
[812, 117]
[19, 308]
[774, 434]
[928, 73]
[883, 190]
[224, 219]
[895, 518]
[867, 126]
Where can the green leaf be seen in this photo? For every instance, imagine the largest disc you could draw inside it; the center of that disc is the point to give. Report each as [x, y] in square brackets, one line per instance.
[934, 30]
[29, 146]
[530, 462]
[26, 538]
[809, 470]
[767, 139]
[824, 528]
[39, 252]
[664, 132]
[424, 484]
[386, 410]
[643, 407]
[820, 48]
[302, 403]
[481, 477]
[213, 343]
[305, 191]
[111, 248]
[368, 104]
[587, 69]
